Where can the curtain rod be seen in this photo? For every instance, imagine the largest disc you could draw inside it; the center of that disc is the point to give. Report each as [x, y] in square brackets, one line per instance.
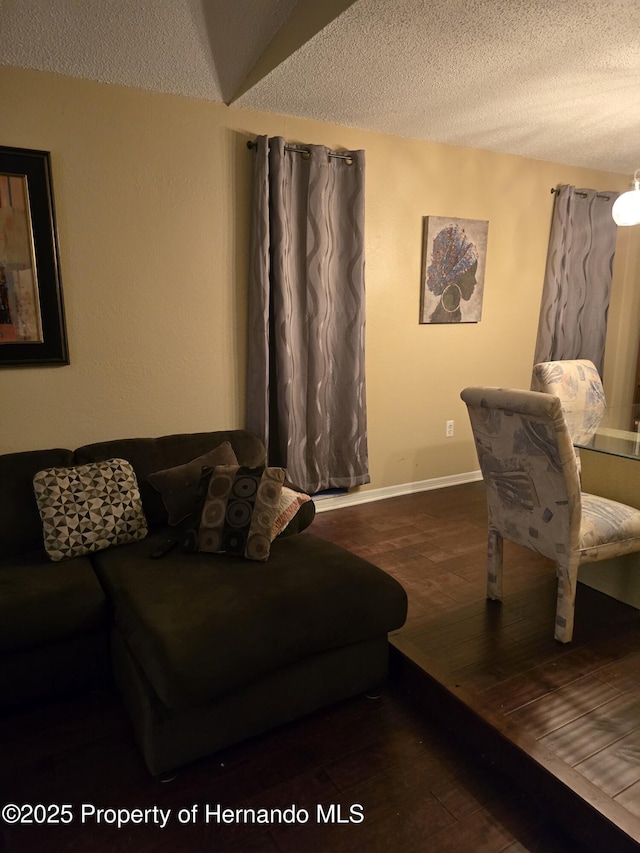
[305, 152]
[584, 195]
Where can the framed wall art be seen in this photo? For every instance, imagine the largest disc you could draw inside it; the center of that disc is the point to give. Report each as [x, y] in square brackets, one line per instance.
[453, 263]
[32, 324]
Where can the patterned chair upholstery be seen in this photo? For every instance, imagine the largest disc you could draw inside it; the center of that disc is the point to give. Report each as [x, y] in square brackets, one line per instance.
[577, 383]
[533, 493]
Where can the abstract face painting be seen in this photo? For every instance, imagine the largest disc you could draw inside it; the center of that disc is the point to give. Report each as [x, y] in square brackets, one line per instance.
[454, 253]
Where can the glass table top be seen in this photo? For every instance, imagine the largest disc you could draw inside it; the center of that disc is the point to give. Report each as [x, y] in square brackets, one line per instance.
[615, 431]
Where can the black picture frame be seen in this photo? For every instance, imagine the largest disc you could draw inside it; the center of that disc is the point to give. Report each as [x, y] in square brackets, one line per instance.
[46, 342]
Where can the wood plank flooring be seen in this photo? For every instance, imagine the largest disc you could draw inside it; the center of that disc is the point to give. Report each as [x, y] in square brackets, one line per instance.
[419, 788]
[478, 691]
[565, 715]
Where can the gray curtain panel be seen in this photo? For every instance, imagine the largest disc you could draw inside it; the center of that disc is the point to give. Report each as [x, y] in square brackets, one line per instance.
[306, 372]
[577, 283]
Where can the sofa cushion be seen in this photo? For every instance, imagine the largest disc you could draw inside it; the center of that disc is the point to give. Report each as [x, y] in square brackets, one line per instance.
[41, 603]
[179, 486]
[239, 511]
[86, 508]
[20, 523]
[148, 455]
[200, 625]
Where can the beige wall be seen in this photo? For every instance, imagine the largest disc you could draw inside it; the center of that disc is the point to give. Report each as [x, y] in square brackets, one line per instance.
[151, 194]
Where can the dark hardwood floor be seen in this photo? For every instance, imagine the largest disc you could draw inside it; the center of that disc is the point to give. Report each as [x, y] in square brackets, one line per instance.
[563, 720]
[489, 736]
[419, 788]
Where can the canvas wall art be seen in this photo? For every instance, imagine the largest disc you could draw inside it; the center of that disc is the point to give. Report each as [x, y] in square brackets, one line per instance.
[453, 264]
[32, 327]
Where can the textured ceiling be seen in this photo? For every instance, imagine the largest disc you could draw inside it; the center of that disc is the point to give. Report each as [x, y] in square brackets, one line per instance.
[555, 80]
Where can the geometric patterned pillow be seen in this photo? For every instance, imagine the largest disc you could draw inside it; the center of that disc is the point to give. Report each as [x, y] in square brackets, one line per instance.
[89, 507]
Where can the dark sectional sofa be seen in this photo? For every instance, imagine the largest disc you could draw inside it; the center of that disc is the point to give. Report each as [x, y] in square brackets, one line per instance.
[206, 649]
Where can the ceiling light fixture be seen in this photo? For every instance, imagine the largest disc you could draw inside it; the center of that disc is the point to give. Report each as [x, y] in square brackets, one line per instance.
[626, 208]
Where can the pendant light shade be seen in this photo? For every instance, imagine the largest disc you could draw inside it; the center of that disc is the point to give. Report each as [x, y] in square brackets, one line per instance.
[626, 208]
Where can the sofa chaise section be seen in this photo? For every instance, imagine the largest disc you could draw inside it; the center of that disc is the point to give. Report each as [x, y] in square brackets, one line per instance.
[241, 646]
[209, 649]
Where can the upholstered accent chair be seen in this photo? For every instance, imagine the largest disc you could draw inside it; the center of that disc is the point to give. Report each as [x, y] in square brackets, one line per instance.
[533, 493]
[577, 383]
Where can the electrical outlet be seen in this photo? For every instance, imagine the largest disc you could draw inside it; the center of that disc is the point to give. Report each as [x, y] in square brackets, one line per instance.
[449, 429]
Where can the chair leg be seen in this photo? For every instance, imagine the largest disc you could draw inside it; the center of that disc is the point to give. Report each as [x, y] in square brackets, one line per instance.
[566, 601]
[494, 565]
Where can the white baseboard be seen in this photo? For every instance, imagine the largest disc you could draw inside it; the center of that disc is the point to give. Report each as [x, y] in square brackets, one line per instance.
[353, 498]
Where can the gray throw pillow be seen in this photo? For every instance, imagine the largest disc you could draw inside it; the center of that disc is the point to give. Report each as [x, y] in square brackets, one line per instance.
[179, 486]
